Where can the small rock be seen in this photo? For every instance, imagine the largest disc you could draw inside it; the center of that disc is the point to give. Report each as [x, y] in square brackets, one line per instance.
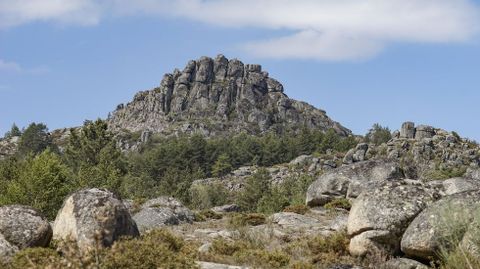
[403, 263]
[226, 208]
[211, 265]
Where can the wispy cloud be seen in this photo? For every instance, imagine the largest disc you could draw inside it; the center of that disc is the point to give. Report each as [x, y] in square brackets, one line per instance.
[9, 66]
[13, 67]
[321, 29]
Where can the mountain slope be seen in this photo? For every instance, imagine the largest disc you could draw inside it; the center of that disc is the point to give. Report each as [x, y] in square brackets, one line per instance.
[218, 96]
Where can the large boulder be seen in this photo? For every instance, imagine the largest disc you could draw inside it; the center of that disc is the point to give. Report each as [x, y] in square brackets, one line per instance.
[24, 226]
[380, 216]
[93, 217]
[162, 211]
[350, 180]
[428, 231]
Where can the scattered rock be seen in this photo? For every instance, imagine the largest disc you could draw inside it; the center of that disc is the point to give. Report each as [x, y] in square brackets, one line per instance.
[162, 211]
[289, 219]
[457, 185]
[226, 208]
[93, 216]
[403, 263]
[210, 265]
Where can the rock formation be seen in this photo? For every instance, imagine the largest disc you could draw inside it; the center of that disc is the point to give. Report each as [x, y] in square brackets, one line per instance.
[216, 96]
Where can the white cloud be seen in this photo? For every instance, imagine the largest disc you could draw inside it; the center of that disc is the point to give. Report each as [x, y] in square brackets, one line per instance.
[17, 12]
[321, 29]
[13, 67]
[9, 66]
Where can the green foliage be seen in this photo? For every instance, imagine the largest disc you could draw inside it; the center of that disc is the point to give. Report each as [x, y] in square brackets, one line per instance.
[208, 196]
[250, 219]
[256, 186]
[328, 248]
[291, 192]
[222, 166]
[41, 182]
[34, 139]
[342, 203]
[158, 249]
[14, 131]
[299, 209]
[35, 258]
[441, 172]
[378, 134]
[207, 215]
[93, 156]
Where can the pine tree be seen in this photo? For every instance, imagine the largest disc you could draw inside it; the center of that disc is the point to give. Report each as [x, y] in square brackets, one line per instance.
[222, 166]
[34, 139]
[14, 131]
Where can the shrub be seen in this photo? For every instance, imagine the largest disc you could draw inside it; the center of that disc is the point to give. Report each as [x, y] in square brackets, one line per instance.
[41, 182]
[35, 258]
[441, 172]
[206, 215]
[342, 203]
[299, 209]
[252, 219]
[255, 188]
[378, 135]
[158, 249]
[208, 196]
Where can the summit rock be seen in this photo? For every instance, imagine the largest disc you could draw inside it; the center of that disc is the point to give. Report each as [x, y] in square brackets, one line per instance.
[218, 96]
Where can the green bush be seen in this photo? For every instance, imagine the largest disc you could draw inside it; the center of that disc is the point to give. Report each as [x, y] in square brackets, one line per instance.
[251, 219]
[378, 135]
[299, 209]
[158, 249]
[207, 196]
[342, 203]
[42, 182]
[35, 258]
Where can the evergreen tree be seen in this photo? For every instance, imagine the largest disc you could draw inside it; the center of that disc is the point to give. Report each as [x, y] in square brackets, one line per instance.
[222, 166]
[34, 139]
[378, 134]
[255, 188]
[94, 157]
[14, 131]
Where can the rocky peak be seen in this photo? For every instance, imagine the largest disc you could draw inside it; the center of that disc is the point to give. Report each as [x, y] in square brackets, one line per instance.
[215, 96]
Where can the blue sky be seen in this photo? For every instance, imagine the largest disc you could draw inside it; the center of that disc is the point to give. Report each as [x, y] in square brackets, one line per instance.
[415, 60]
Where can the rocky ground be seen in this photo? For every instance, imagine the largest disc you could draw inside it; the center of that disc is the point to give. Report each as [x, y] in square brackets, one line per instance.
[378, 206]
